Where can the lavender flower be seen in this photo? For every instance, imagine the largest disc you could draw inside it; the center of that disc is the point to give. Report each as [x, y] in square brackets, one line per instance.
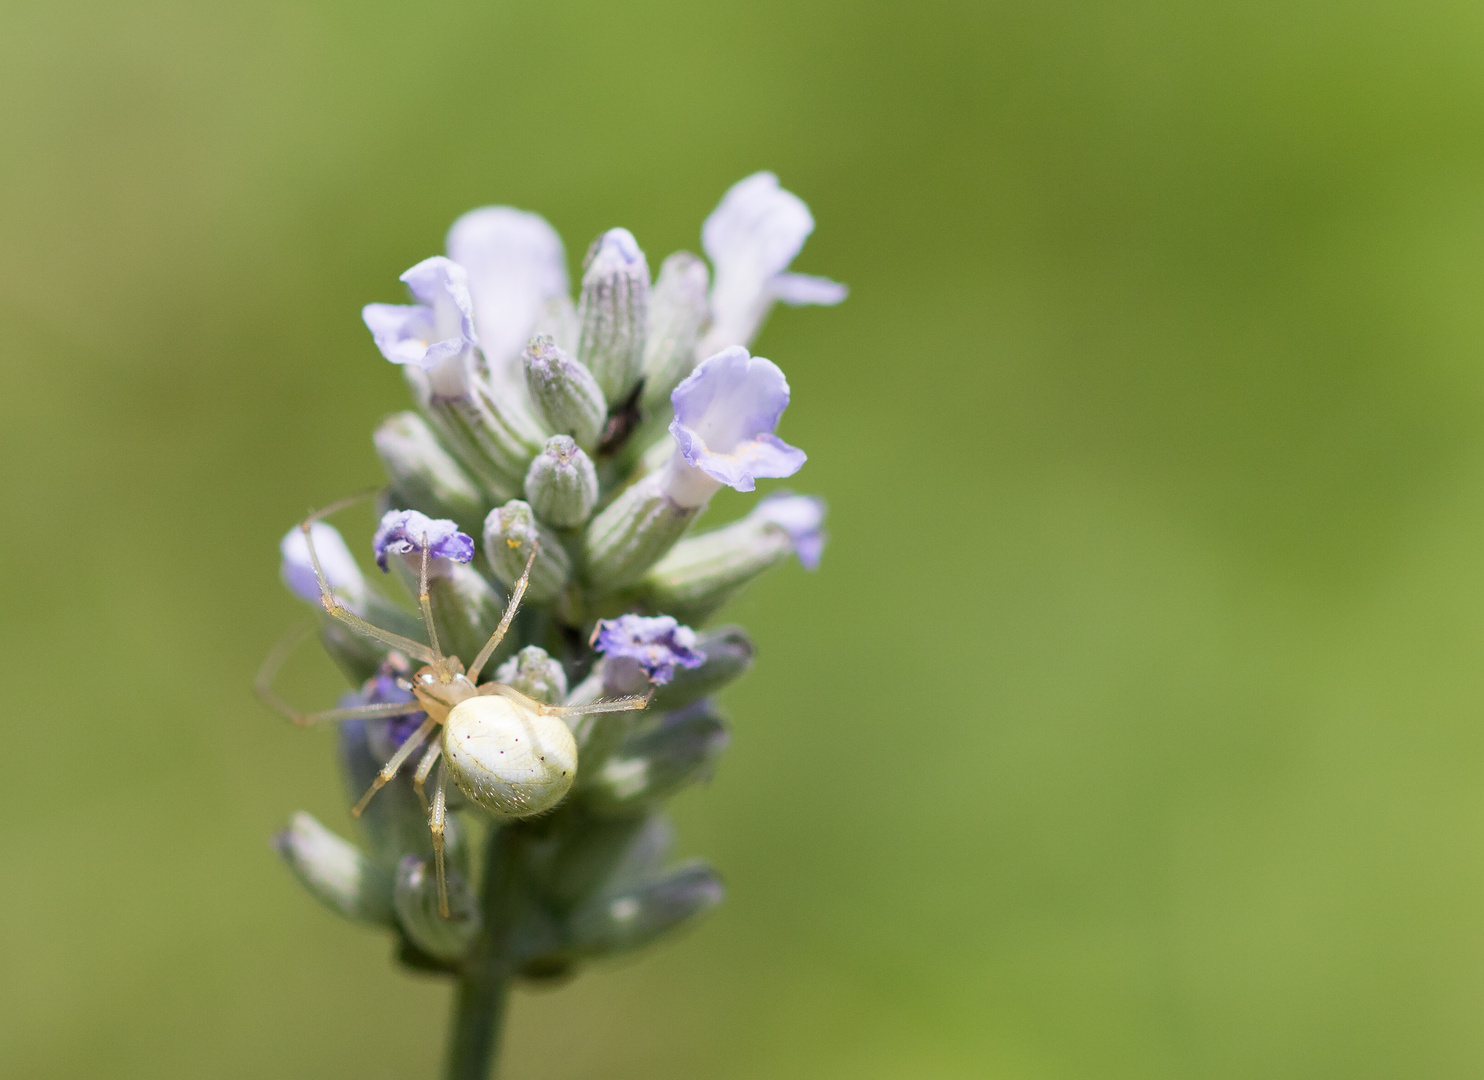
[725, 415]
[436, 334]
[515, 264]
[403, 532]
[657, 645]
[751, 238]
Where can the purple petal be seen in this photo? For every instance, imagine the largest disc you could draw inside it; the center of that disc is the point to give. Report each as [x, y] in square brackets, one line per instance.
[751, 237]
[335, 559]
[657, 644]
[403, 532]
[801, 517]
[515, 262]
[799, 289]
[443, 285]
[756, 229]
[401, 331]
[725, 414]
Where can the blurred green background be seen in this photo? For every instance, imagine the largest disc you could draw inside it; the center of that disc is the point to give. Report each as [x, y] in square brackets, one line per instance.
[1132, 727]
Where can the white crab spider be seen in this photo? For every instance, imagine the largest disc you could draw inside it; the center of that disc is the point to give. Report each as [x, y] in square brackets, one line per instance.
[509, 753]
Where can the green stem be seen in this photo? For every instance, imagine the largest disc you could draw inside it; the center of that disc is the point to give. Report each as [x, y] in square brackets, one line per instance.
[479, 1015]
[484, 984]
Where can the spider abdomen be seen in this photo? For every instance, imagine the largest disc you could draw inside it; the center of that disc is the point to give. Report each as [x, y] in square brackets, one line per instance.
[510, 759]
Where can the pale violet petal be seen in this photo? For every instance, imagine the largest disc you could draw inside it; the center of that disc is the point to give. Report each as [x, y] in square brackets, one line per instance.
[725, 414]
[801, 516]
[757, 228]
[799, 289]
[515, 263]
[443, 286]
[401, 331]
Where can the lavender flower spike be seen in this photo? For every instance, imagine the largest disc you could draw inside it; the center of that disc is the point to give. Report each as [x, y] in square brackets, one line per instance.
[725, 414]
[335, 559]
[436, 334]
[657, 645]
[402, 533]
[751, 237]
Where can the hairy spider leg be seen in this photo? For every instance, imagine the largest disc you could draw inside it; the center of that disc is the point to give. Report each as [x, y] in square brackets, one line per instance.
[275, 659]
[424, 767]
[425, 605]
[437, 818]
[395, 762]
[415, 649]
[510, 609]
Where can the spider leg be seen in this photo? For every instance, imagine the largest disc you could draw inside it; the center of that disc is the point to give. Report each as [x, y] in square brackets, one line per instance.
[425, 605]
[424, 767]
[510, 609]
[397, 760]
[415, 649]
[437, 818]
[280, 652]
[623, 704]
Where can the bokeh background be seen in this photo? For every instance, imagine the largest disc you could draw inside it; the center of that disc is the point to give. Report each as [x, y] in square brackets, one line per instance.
[1134, 725]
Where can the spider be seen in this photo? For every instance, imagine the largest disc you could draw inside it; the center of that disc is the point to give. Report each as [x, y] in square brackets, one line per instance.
[509, 753]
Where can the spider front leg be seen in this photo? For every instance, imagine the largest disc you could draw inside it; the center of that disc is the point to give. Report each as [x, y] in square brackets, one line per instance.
[415, 649]
[510, 609]
[280, 652]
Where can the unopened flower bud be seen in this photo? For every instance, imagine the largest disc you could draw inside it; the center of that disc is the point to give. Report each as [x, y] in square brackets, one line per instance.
[654, 763]
[508, 533]
[702, 572]
[416, 900]
[678, 311]
[729, 653]
[632, 533]
[424, 474]
[562, 485]
[639, 914]
[493, 436]
[535, 674]
[614, 312]
[564, 391]
[335, 871]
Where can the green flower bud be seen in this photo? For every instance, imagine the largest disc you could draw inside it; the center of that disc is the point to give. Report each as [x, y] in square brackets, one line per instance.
[425, 475]
[493, 437]
[633, 533]
[640, 913]
[508, 533]
[729, 652]
[654, 763]
[335, 871]
[562, 485]
[678, 311]
[415, 898]
[703, 572]
[534, 674]
[614, 312]
[565, 392]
